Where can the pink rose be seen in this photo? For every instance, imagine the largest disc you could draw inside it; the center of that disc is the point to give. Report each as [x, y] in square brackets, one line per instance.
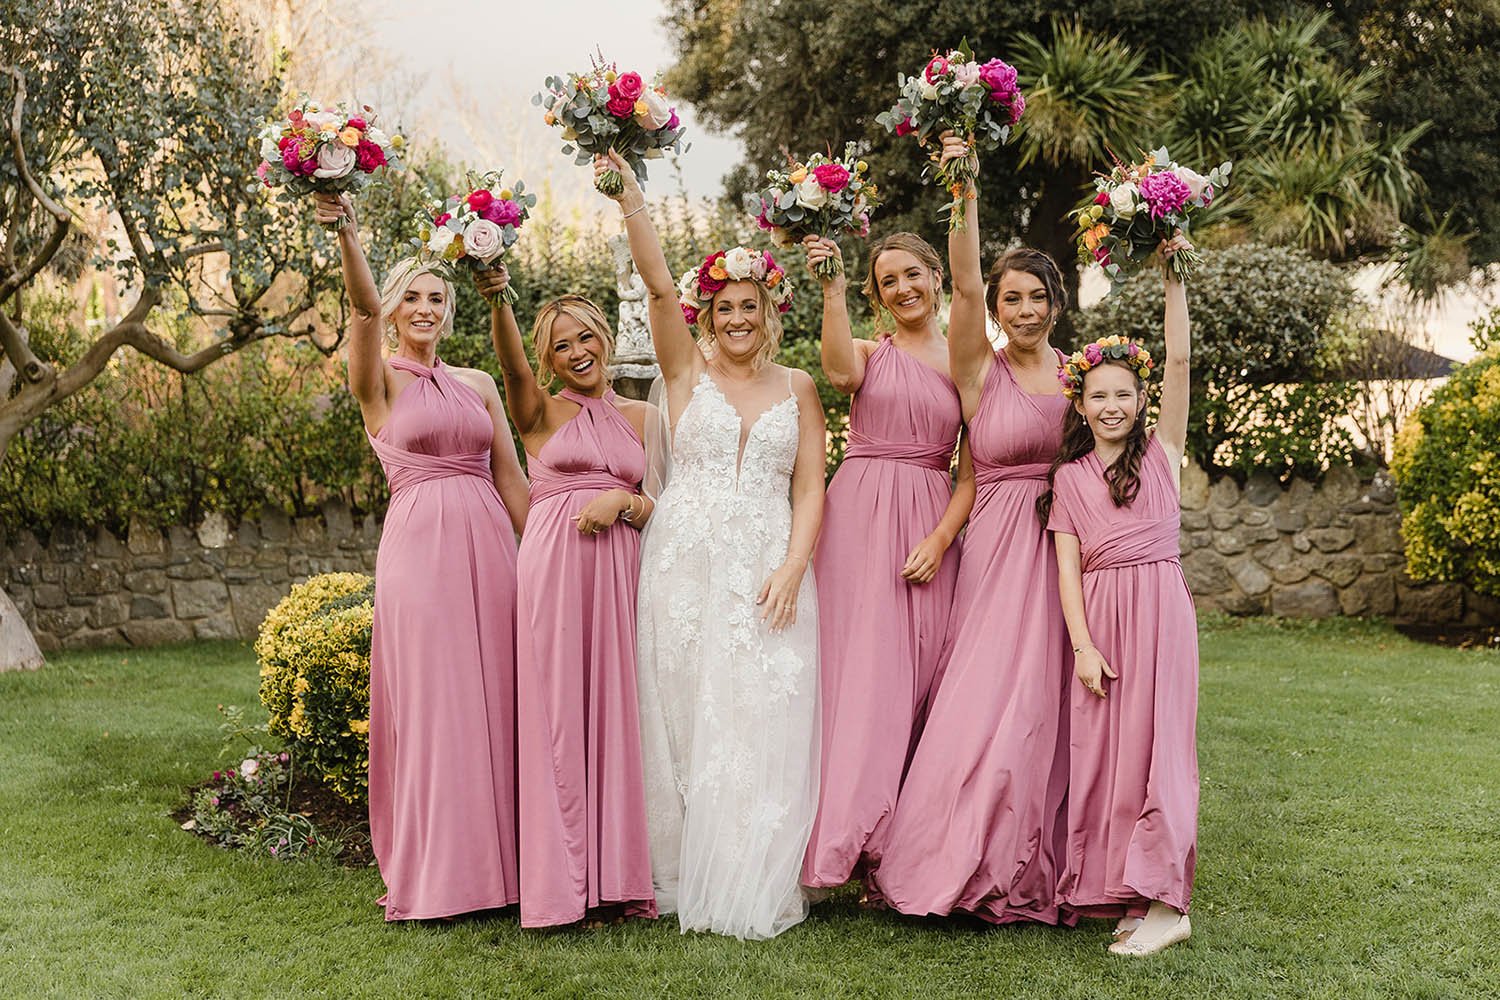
[966, 74]
[689, 313]
[503, 212]
[369, 156]
[628, 85]
[261, 172]
[935, 69]
[441, 219]
[480, 200]
[832, 177]
[1102, 198]
[905, 127]
[358, 123]
[619, 105]
[1092, 354]
[761, 220]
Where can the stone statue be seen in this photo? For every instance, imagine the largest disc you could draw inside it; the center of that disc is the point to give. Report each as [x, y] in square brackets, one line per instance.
[635, 358]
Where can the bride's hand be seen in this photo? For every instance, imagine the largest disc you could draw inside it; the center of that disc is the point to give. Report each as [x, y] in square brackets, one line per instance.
[779, 594]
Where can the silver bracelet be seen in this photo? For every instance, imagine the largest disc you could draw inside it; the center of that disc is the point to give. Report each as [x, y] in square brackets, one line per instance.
[634, 211]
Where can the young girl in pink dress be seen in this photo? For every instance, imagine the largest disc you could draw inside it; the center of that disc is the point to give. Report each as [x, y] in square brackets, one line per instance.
[584, 847]
[443, 645]
[976, 827]
[890, 517]
[1132, 818]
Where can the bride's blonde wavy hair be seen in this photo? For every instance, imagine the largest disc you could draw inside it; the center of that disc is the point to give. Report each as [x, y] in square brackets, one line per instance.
[405, 271]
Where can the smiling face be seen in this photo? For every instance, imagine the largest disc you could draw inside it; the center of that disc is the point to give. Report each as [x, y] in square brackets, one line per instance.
[1023, 308]
[908, 288]
[739, 317]
[578, 355]
[420, 313]
[1112, 402]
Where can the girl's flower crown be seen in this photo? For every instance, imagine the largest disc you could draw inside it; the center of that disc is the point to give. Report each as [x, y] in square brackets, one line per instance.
[699, 284]
[1112, 348]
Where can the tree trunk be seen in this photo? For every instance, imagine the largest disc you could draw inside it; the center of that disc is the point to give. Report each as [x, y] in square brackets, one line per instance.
[17, 648]
[1051, 230]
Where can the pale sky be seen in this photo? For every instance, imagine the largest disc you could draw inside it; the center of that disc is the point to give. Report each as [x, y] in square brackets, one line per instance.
[480, 106]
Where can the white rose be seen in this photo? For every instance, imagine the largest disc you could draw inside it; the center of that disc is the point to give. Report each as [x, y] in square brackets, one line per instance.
[441, 237]
[658, 113]
[1122, 199]
[269, 150]
[738, 263]
[966, 74]
[378, 137]
[334, 160]
[483, 240]
[1195, 181]
[810, 194]
[928, 90]
[248, 767]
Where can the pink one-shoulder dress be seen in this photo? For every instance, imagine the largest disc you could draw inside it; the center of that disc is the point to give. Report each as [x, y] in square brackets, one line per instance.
[443, 659]
[1132, 818]
[977, 827]
[879, 636]
[583, 807]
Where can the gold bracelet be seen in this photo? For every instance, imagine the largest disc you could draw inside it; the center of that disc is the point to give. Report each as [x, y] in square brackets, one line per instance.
[628, 514]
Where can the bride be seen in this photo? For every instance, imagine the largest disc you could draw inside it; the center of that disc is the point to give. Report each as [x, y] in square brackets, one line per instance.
[728, 633]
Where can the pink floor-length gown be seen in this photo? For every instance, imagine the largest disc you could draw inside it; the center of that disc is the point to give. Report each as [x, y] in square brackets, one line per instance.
[978, 823]
[443, 659]
[880, 636]
[1132, 823]
[583, 807]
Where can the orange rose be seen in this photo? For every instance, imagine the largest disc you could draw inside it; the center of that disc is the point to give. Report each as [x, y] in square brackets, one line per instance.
[350, 137]
[773, 279]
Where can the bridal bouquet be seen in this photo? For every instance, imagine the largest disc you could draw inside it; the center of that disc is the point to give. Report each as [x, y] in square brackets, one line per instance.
[476, 228]
[1136, 207]
[978, 101]
[324, 148]
[605, 109]
[820, 197]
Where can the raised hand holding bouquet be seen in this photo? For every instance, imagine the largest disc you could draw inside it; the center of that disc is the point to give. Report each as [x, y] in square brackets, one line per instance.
[979, 102]
[475, 229]
[605, 109]
[325, 149]
[1136, 207]
[823, 197]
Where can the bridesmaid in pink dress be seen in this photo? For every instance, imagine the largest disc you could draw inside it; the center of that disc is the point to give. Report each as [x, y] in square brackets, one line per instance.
[977, 824]
[584, 847]
[443, 649]
[890, 516]
[1132, 822]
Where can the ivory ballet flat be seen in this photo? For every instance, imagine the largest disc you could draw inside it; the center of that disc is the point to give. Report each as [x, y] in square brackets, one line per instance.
[1126, 927]
[1133, 947]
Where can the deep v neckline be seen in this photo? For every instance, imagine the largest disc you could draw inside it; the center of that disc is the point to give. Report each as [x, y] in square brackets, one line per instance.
[745, 430]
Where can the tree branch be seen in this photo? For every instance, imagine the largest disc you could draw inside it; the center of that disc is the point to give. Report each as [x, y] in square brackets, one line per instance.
[18, 352]
[62, 219]
[19, 149]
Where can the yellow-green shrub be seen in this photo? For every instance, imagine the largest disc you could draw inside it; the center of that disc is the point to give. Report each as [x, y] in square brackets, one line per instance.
[314, 650]
[1448, 480]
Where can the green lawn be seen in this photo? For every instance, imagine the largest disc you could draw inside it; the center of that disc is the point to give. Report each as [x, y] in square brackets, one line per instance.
[1348, 849]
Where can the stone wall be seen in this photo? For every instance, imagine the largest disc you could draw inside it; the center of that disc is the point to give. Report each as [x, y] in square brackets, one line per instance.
[80, 589]
[1306, 551]
[1300, 551]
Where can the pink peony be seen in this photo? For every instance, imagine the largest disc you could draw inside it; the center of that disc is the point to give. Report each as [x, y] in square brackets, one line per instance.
[356, 122]
[1164, 192]
[935, 69]
[503, 212]
[689, 313]
[673, 122]
[832, 177]
[1017, 107]
[620, 106]
[1000, 77]
[628, 85]
[480, 200]
[905, 127]
[707, 283]
[369, 156]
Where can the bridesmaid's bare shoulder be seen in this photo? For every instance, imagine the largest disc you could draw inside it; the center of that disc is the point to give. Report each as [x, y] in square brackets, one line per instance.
[639, 412]
[481, 382]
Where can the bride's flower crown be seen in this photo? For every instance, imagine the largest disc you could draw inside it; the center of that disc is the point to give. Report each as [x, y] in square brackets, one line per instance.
[699, 284]
[1112, 348]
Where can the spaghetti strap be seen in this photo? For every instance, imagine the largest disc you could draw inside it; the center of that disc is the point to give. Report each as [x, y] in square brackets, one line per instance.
[791, 391]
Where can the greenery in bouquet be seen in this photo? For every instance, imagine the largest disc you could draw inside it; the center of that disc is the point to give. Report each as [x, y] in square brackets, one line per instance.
[980, 102]
[822, 196]
[324, 148]
[1137, 206]
[476, 228]
[604, 109]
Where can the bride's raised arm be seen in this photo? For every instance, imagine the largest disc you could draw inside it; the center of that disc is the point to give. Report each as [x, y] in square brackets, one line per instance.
[676, 351]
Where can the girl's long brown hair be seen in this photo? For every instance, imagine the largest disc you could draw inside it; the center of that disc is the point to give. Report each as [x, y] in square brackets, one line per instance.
[1123, 474]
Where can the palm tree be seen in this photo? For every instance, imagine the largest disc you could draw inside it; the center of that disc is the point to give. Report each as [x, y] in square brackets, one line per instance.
[1089, 99]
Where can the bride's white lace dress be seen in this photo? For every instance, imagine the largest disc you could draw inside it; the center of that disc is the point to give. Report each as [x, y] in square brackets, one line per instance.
[729, 723]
